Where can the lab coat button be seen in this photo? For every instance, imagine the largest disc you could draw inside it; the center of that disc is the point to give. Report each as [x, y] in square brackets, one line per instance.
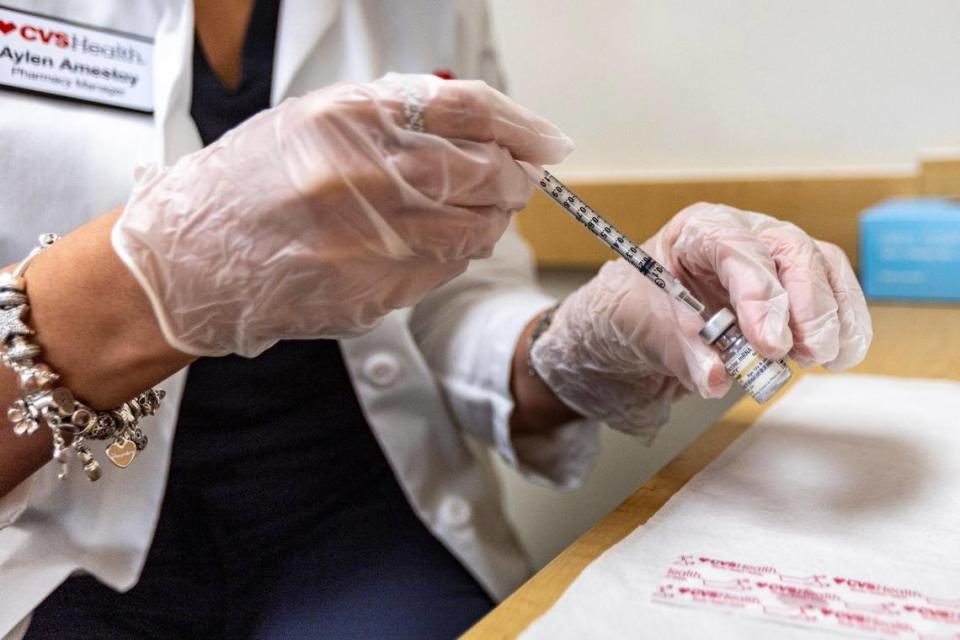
[382, 369]
[455, 511]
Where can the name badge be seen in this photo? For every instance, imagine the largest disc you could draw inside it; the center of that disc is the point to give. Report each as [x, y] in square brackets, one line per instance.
[52, 56]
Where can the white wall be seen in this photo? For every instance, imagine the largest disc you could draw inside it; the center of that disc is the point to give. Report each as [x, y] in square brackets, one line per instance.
[716, 85]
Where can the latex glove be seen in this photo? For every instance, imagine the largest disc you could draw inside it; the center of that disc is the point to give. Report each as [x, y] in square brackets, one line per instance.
[319, 216]
[620, 350]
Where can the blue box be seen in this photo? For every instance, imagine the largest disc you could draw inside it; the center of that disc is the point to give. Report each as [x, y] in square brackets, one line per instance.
[910, 250]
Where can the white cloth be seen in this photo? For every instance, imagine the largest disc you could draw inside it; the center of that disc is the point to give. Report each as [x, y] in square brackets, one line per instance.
[836, 512]
[426, 378]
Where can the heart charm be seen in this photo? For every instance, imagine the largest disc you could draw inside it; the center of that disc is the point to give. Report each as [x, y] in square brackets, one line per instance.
[6, 27]
[122, 453]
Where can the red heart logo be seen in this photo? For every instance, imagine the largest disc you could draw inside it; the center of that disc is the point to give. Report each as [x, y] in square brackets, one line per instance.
[839, 580]
[6, 27]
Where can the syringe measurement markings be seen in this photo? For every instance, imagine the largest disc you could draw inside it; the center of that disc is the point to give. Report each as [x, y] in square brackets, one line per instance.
[591, 219]
[579, 209]
[613, 238]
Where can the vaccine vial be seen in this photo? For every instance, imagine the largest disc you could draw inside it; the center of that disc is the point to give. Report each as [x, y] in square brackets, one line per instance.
[759, 376]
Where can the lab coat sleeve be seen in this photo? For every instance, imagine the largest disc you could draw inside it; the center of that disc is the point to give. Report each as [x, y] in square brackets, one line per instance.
[468, 330]
[14, 503]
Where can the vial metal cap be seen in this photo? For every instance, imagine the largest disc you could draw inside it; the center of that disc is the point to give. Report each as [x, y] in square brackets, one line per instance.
[717, 325]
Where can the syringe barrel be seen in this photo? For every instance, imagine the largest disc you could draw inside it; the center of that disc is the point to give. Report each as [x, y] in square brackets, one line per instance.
[604, 230]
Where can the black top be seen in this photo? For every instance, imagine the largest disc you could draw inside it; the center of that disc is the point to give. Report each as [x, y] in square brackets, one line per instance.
[214, 108]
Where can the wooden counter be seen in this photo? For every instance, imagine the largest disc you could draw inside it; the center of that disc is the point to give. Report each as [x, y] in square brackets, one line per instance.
[909, 341]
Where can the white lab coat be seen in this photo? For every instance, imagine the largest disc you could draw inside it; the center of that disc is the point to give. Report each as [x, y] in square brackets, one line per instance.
[432, 381]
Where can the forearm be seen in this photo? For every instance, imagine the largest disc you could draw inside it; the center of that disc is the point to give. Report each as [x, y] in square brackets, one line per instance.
[19, 456]
[97, 331]
[536, 407]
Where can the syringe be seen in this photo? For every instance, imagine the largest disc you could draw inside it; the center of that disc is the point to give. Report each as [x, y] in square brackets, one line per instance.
[759, 376]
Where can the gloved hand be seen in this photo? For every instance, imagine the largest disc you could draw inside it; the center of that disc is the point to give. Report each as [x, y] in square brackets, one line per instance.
[318, 217]
[619, 350]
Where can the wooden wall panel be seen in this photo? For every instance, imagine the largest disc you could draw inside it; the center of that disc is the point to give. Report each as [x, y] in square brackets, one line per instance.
[826, 207]
[940, 177]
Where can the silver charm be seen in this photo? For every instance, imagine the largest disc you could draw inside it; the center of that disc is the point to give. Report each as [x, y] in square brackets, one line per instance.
[104, 428]
[122, 452]
[37, 378]
[21, 352]
[90, 466]
[12, 324]
[47, 239]
[14, 280]
[60, 451]
[25, 422]
[12, 298]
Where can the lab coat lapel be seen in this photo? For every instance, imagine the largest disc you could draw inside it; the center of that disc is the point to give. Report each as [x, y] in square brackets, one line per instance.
[173, 55]
[302, 24]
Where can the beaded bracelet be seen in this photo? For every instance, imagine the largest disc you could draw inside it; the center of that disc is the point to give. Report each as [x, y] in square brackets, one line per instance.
[71, 421]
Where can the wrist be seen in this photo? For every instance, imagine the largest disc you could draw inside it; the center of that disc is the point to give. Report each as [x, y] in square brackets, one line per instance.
[536, 406]
[108, 347]
[44, 401]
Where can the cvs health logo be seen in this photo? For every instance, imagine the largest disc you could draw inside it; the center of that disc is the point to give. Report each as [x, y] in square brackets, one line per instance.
[31, 33]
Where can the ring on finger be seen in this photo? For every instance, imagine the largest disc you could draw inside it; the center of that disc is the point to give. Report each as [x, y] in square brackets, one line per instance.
[413, 108]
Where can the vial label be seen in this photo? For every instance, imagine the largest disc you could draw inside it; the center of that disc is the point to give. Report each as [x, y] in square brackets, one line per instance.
[759, 377]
